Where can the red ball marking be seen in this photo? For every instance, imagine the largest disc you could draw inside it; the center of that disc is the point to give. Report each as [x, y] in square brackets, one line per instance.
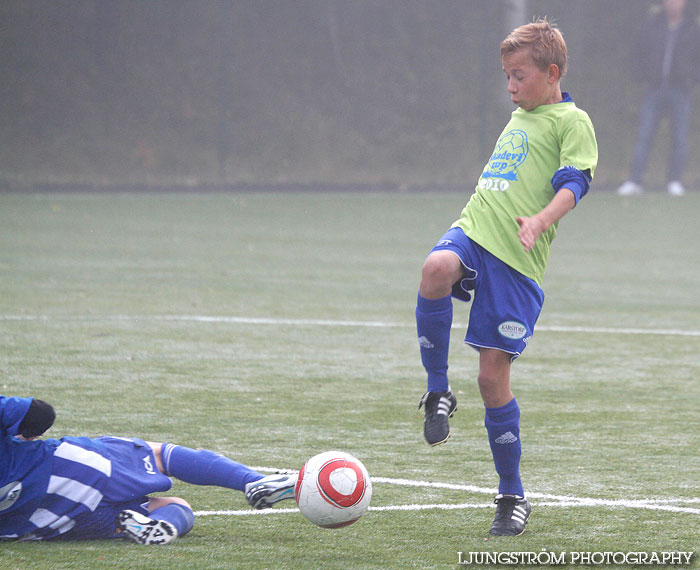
[330, 494]
[297, 487]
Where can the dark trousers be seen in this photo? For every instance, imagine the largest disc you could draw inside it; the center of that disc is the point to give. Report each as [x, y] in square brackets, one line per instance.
[675, 102]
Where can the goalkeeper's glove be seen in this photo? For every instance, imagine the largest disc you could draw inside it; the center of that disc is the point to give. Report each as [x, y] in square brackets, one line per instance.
[39, 417]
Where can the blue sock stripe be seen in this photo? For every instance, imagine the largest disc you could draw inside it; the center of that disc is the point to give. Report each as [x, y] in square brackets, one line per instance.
[165, 452]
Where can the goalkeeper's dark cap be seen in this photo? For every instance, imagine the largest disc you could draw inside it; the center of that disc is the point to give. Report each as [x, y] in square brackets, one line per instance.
[40, 417]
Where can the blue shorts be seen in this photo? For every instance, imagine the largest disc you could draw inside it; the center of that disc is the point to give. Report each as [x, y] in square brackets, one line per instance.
[102, 522]
[134, 475]
[506, 303]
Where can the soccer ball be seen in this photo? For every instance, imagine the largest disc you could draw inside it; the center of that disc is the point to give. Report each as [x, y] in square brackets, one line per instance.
[333, 489]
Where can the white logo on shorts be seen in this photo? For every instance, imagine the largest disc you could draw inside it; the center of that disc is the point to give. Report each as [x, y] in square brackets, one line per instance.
[149, 466]
[512, 329]
[9, 494]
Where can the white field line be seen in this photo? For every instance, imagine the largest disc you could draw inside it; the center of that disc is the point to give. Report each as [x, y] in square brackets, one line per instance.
[530, 495]
[547, 500]
[336, 323]
[442, 507]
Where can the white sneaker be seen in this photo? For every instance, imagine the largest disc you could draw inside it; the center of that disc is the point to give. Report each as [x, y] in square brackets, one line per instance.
[630, 188]
[265, 492]
[675, 188]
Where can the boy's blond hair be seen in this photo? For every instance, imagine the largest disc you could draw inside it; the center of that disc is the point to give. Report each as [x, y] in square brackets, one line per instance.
[546, 44]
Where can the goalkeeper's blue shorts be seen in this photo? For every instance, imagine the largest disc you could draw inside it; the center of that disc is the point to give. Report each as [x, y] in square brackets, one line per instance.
[506, 303]
[133, 476]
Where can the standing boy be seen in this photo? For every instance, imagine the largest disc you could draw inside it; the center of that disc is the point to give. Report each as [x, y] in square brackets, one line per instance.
[541, 167]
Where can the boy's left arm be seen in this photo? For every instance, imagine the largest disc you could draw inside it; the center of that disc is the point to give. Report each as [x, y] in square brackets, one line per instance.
[531, 227]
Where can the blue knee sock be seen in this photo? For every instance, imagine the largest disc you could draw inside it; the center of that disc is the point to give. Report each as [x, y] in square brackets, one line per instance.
[503, 427]
[180, 516]
[204, 467]
[434, 321]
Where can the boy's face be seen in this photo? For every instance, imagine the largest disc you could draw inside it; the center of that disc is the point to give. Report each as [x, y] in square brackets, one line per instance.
[528, 85]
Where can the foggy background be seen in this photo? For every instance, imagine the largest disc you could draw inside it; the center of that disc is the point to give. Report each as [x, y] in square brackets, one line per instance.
[253, 93]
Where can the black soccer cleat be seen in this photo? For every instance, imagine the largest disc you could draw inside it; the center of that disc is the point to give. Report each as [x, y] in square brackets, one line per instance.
[438, 407]
[512, 514]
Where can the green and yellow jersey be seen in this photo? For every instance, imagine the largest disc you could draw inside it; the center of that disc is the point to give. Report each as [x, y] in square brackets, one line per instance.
[517, 181]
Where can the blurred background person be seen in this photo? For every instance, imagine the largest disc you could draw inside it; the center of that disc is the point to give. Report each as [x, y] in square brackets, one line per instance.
[665, 58]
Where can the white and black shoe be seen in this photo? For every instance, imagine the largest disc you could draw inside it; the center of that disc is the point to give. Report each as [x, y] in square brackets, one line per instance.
[438, 407]
[143, 529]
[265, 492]
[512, 514]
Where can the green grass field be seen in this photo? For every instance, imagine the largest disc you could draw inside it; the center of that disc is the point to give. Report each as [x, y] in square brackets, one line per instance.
[270, 327]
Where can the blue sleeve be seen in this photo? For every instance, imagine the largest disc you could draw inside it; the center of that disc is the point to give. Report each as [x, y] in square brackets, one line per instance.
[572, 178]
[12, 412]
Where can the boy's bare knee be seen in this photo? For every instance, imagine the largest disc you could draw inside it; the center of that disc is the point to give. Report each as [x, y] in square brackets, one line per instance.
[440, 272]
[487, 383]
[494, 377]
[157, 502]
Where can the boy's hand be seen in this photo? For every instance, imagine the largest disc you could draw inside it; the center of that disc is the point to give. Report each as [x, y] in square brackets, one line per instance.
[530, 229]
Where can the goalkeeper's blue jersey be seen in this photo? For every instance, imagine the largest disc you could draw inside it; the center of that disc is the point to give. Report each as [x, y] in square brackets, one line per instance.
[46, 485]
